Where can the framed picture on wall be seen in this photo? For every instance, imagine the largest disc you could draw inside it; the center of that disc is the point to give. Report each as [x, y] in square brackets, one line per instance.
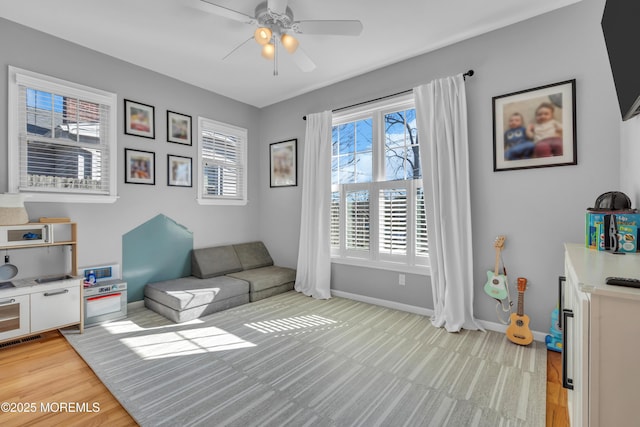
[139, 167]
[178, 171]
[178, 128]
[535, 128]
[139, 119]
[283, 163]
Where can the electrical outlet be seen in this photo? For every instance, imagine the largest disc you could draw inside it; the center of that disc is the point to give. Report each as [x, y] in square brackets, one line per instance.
[401, 279]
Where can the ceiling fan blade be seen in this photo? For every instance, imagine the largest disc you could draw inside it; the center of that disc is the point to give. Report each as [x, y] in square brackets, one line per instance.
[338, 28]
[225, 12]
[303, 61]
[237, 47]
[277, 6]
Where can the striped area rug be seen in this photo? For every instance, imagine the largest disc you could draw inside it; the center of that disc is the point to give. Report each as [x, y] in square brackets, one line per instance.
[290, 360]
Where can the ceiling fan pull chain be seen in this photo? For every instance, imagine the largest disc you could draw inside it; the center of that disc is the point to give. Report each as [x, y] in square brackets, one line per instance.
[275, 56]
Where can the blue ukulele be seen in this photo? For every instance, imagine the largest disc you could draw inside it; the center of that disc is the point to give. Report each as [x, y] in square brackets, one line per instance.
[496, 286]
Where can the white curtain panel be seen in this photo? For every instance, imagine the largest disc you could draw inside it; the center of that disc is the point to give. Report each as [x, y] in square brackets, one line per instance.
[313, 277]
[441, 111]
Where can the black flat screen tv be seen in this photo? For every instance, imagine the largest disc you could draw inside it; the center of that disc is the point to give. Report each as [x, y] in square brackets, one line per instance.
[620, 27]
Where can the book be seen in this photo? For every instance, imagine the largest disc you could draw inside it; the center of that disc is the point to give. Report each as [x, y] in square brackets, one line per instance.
[617, 232]
[596, 235]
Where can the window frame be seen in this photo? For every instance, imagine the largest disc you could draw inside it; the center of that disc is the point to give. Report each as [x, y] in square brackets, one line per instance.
[242, 135]
[18, 77]
[410, 262]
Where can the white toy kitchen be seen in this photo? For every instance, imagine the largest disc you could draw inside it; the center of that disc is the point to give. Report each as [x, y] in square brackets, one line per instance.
[30, 305]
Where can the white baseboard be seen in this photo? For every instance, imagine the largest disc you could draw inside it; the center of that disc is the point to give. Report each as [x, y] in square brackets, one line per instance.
[384, 303]
[492, 326]
[499, 327]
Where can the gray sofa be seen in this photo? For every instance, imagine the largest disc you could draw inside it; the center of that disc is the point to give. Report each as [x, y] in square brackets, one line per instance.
[222, 277]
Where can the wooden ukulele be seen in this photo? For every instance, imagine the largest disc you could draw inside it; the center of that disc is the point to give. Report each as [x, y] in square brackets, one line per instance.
[496, 283]
[518, 330]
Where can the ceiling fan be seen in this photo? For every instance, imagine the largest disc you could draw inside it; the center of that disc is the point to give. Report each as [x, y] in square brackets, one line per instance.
[276, 25]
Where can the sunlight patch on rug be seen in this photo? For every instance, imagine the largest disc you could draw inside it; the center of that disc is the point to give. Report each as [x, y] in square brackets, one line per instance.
[290, 323]
[119, 327]
[184, 343]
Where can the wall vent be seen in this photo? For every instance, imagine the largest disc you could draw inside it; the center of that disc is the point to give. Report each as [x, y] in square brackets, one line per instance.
[20, 341]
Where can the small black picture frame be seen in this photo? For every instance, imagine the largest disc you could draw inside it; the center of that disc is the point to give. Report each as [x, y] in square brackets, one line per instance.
[139, 119]
[139, 167]
[283, 163]
[178, 128]
[179, 171]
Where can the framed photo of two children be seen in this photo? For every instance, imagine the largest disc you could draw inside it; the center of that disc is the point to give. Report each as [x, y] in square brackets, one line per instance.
[535, 128]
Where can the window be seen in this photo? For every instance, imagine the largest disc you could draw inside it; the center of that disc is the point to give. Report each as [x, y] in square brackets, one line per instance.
[62, 139]
[222, 166]
[377, 199]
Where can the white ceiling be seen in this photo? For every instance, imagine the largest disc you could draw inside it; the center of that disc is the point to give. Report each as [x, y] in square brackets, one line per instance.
[175, 38]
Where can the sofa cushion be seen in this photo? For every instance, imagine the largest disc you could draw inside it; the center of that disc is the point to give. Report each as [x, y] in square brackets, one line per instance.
[253, 255]
[215, 261]
[266, 277]
[258, 295]
[187, 292]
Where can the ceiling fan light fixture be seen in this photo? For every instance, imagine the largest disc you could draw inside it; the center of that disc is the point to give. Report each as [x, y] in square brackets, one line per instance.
[262, 35]
[268, 51]
[289, 42]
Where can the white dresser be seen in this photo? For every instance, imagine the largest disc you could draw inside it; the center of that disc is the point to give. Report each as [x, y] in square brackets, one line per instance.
[601, 324]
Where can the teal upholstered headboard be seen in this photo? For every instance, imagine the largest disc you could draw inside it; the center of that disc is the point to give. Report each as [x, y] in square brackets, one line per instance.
[159, 249]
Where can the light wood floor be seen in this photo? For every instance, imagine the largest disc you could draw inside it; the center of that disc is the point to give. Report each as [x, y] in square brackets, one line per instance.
[49, 371]
[557, 412]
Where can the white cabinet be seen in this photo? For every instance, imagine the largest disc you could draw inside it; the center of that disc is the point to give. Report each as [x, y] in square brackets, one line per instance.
[55, 308]
[602, 332]
[575, 322]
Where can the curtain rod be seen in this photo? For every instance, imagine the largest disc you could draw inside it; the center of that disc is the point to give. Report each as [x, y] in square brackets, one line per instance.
[464, 76]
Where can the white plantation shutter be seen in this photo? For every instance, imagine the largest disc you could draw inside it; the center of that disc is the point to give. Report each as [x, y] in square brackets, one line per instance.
[223, 157]
[393, 221]
[62, 139]
[357, 221]
[422, 243]
[334, 227]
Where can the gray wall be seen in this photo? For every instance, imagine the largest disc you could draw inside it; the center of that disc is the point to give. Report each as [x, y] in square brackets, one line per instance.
[101, 226]
[537, 209]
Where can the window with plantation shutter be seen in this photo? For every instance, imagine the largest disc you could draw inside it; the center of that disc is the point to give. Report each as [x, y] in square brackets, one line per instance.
[61, 139]
[377, 199]
[222, 165]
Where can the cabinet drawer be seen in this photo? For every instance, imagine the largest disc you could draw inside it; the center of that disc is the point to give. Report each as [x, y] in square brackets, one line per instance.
[54, 308]
[14, 316]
